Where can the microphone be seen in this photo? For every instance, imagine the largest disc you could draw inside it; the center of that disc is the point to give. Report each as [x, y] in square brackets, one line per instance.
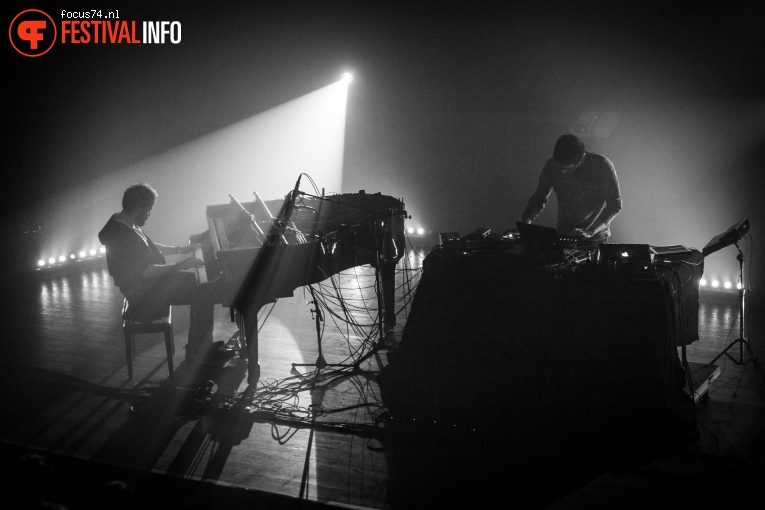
[291, 203]
[297, 187]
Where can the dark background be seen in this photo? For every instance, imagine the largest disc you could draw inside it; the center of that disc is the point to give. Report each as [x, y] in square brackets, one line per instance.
[454, 107]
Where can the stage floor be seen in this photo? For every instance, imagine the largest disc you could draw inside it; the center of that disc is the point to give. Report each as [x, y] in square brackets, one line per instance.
[286, 443]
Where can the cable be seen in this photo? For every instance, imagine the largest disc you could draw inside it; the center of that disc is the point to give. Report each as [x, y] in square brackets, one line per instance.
[353, 307]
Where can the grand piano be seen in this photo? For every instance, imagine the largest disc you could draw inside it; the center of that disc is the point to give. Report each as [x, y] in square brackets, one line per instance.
[264, 250]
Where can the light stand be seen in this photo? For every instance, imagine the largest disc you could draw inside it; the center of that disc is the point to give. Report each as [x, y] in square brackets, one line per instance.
[744, 344]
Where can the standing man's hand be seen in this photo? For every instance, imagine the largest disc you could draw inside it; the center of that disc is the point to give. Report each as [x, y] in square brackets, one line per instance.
[584, 233]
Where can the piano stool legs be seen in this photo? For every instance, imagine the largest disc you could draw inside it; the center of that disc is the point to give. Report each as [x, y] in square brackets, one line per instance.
[131, 328]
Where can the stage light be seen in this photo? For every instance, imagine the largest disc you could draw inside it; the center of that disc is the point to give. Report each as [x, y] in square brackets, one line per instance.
[82, 254]
[62, 258]
[410, 230]
[715, 283]
[102, 250]
[727, 285]
[739, 286]
[92, 252]
[41, 263]
[420, 231]
[346, 78]
[702, 282]
[51, 261]
[71, 256]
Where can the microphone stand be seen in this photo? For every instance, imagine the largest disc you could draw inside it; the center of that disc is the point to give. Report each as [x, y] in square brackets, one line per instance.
[318, 318]
[380, 344]
[743, 343]
[298, 235]
[253, 221]
[246, 302]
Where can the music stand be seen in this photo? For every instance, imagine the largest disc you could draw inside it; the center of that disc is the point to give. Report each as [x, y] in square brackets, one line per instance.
[732, 236]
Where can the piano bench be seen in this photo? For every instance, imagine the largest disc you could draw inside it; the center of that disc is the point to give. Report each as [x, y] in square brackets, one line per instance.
[132, 327]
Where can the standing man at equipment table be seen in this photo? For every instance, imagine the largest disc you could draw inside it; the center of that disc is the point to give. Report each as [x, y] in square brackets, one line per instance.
[587, 190]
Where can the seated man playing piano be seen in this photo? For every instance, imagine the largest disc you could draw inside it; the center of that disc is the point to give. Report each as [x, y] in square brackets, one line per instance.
[587, 190]
[149, 283]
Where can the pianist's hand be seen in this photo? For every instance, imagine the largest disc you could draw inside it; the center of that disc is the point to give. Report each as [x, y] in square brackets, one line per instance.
[188, 263]
[190, 248]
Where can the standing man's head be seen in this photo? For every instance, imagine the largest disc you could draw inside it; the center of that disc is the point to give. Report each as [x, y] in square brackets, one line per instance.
[568, 152]
[137, 202]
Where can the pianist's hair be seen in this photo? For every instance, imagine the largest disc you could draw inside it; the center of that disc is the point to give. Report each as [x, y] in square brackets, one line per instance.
[568, 149]
[138, 196]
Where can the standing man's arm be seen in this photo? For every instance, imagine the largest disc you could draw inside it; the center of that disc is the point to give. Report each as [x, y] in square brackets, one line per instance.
[613, 199]
[541, 195]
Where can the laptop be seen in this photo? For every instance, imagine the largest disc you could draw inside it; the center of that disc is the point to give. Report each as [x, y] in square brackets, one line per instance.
[540, 241]
[624, 254]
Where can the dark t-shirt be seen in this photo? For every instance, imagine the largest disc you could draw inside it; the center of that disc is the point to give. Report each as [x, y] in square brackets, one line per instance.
[127, 256]
[585, 195]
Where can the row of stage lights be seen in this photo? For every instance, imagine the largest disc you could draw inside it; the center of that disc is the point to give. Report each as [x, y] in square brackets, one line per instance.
[82, 255]
[93, 253]
[715, 284]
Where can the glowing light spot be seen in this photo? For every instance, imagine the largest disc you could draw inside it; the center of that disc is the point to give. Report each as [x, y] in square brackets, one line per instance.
[715, 283]
[82, 254]
[703, 282]
[40, 262]
[72, 256]
[346, 78]
[102, 250]
[727, 285]
[420, 231]
[51, 260]
[62, 258]
[92, 252]
[410, 230]
[739, 286]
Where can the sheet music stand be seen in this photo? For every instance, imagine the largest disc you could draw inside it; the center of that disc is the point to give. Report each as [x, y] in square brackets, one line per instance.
[732, 236]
